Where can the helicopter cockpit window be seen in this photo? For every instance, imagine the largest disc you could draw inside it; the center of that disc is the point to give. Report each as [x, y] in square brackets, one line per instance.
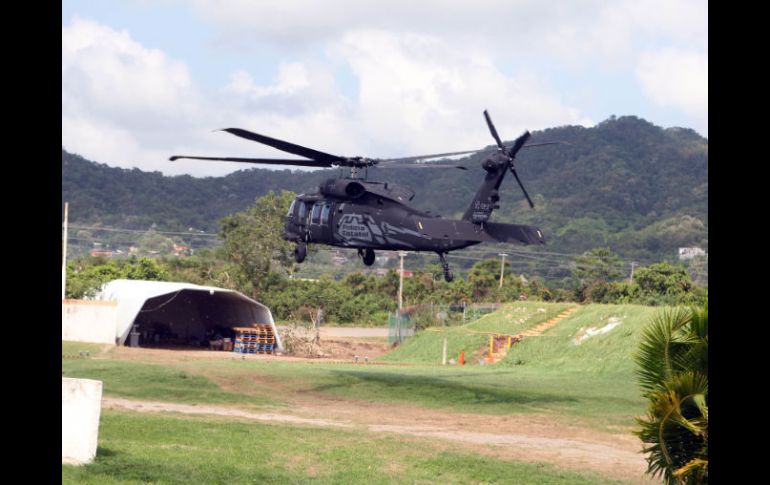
[325, 213]
[291, 208]
[315, 216]
[301, 211]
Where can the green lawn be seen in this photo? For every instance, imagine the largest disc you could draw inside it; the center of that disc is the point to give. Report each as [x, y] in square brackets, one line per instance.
[166, 449]
[157, 382]
[73, 349]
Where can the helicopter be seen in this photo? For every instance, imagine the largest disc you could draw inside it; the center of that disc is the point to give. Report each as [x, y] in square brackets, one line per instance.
[353, 212]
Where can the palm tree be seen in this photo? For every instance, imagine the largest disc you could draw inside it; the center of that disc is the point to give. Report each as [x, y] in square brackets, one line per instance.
[673, 371]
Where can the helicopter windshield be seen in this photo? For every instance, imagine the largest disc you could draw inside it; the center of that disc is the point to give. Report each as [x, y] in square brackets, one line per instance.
[315, 216]
[291, 208]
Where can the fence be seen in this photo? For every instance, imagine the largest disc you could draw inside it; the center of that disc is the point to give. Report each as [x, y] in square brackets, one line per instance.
[417, 317]
[400, 327]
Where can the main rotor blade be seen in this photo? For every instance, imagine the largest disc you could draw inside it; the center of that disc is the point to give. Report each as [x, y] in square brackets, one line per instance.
[520, 141]
[427, 157]
[418, 165]
[493, 131]
[546, 143]
[286, 146]
[513, 171]
[269, 161]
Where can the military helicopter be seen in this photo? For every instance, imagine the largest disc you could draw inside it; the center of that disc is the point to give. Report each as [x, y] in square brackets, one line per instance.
[353, 212]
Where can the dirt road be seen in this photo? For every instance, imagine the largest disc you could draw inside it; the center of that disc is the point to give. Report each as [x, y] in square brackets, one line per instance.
[348, 331]
[517, 437]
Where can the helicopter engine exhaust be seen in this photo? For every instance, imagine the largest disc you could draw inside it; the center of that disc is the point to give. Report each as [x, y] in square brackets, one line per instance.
[343, 188]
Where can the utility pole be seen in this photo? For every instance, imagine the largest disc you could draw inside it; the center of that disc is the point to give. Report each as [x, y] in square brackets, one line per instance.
[64, 258]
[631, 280]
[502, 267]
[401, 254]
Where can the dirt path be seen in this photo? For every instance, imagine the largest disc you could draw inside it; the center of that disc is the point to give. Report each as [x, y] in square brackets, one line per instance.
[346, 331]
[518, 437]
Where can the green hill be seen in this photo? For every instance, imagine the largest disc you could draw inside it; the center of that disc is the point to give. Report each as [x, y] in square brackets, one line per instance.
[625, 183]
[512, 318]
[595, 339]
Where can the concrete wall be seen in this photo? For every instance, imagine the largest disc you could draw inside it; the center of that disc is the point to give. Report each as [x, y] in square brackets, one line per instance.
[89, 321]
[81, 405]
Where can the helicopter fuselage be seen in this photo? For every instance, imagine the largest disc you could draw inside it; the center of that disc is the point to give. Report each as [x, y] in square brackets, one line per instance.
[367, 221]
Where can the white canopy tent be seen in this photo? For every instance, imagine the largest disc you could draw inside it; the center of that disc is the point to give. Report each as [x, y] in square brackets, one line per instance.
[187, 310]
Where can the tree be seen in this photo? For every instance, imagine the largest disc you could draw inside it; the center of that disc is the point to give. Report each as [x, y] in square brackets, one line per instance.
[317, 297]
[484, 276]
[673, 372]
[665, 283]
[86, 276]
[592, 272]
[254, 243]
[598, 264]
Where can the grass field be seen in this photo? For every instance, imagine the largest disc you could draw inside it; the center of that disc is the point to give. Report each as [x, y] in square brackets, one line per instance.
[160, 448]
[589, 383]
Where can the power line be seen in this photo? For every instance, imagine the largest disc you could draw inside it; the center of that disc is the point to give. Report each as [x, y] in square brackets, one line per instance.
[152, 231]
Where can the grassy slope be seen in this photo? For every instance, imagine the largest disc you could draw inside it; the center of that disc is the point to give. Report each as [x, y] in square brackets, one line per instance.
[516, 317]
[599, 354]
[426, 347]
[160, 448]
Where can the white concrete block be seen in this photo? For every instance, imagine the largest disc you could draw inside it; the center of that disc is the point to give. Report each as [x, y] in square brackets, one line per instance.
[81, 405]
[89, 321]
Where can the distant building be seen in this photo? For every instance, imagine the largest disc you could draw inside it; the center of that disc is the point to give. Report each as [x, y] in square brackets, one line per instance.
[179, 249]
[102, 253]
[689, 253]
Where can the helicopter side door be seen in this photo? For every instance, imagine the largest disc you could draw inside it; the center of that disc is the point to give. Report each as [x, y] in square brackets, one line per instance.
[321, 222]
[303, 216]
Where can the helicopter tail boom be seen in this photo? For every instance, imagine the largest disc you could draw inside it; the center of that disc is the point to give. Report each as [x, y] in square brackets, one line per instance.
[514, 233]
[490, 232]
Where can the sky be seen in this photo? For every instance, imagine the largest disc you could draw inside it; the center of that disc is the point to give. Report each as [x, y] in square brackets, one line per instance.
[146, 79]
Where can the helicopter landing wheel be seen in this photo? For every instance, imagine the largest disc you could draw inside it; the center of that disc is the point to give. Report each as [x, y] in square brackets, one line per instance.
[368, 257]
[300, 252]
[448, 276]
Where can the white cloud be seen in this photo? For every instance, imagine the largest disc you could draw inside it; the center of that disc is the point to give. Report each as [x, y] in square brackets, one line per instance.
[121, 102]
[417, 93]
[425, 71]
[127, 105]
[679, 79]
[107, 72]
[578, 32]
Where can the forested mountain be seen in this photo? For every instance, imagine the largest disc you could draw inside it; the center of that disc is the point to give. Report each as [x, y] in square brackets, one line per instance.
[628, 184]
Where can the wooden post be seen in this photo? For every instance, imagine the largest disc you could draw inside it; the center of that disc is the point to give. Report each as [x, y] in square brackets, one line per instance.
[443, 355]
[401, 255]
[64, 258]
[502, 267]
